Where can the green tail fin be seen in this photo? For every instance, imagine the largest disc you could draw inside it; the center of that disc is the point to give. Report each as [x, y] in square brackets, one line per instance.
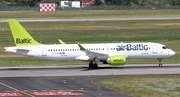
[20, 35]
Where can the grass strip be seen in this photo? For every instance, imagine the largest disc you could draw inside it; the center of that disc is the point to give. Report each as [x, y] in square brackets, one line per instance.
[86, 13]
[145, 85]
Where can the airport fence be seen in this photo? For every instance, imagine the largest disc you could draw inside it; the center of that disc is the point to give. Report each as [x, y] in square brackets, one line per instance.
[18, 8]
[121, 8]
[36, 8]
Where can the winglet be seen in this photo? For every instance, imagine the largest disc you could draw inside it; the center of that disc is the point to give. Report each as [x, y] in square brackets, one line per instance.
[81, 47]
[61, 42]
[20, 35]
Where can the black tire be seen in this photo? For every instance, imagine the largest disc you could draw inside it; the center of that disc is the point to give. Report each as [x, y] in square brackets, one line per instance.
[160, 65]
[94, 66]
[90, 65]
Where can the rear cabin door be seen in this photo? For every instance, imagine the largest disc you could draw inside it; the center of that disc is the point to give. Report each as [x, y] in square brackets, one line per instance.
[44, 52]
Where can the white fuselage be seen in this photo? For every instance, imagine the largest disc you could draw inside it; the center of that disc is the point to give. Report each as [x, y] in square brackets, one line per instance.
[73, 52]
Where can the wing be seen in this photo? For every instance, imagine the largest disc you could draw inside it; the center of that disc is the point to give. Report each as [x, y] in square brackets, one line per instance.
[97, 56]
[93, 54]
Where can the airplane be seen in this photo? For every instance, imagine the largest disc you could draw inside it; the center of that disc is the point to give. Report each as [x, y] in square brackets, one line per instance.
[114, 54]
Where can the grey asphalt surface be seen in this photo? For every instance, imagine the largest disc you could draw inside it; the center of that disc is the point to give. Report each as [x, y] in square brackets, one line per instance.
[94, 19]
[82, 84]
[83, 70]
[48, 79]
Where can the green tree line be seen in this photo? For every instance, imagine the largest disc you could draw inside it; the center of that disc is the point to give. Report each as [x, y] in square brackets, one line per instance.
[138, 2]
[29, 3]
[32, 3]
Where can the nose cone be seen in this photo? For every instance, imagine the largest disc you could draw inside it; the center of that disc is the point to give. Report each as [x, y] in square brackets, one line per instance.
[172, 53]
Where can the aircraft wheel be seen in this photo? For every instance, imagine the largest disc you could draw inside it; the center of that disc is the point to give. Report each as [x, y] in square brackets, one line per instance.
[160, 65]
[90, 65]
[94, 66]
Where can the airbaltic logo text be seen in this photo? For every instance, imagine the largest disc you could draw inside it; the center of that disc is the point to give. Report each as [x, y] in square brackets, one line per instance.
[23, 41]
[118, 60]
[130, 47]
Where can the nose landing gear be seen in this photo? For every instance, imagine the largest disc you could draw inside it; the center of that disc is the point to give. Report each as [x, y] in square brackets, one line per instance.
[160, 64]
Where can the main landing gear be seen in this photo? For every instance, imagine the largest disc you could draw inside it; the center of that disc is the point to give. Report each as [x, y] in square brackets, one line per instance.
[160, 64]
[93, 65]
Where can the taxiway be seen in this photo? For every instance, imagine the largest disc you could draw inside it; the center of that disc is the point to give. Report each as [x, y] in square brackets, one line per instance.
[69, 81]
[83, 70]
[95, 19]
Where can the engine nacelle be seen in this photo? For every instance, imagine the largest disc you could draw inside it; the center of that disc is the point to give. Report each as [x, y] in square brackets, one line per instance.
[116, 60]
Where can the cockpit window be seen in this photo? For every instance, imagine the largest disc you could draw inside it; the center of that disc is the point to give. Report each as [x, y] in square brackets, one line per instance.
[165, 47]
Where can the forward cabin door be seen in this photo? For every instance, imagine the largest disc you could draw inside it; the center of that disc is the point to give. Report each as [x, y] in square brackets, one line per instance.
[44, 52]
[154, 49]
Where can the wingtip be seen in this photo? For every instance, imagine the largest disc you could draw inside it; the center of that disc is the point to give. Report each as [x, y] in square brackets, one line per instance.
[81, 47]
[61, 42]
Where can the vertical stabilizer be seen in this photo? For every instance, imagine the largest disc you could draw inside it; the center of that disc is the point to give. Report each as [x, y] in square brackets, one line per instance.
[20, 35]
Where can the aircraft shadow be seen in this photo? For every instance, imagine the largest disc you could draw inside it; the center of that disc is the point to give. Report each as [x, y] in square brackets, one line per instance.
[131, 67]
[89, 69]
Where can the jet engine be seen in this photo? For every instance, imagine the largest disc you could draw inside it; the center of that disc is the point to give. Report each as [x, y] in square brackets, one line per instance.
[116, 60]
